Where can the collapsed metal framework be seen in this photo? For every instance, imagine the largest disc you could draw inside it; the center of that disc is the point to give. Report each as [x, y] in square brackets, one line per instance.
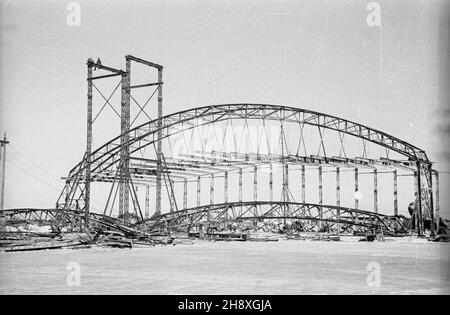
[144, 155]
[69, 221]
[337, 219]
[55, 217]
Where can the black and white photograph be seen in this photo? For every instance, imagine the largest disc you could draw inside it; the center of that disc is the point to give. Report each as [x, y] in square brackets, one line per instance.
[223, 152]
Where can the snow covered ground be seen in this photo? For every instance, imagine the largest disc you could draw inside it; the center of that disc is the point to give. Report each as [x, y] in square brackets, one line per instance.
[404, 266]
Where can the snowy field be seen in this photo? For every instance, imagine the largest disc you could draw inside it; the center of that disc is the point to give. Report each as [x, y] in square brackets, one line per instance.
[286, 267]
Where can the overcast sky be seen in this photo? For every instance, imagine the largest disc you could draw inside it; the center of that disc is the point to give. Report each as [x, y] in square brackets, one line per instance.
[318, 55]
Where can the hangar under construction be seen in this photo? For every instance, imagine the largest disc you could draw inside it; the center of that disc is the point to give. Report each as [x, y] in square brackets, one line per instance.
[221, 171]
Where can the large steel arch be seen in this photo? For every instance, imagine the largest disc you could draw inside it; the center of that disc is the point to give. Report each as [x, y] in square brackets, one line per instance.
[214, 113]
[108, 156]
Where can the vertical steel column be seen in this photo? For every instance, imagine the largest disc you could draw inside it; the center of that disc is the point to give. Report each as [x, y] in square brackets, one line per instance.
[240, 184]
[429, 180]
[283, 164]
[255, 183]
[198, 191]
[338, 198]
[225, 196]
[159, 144]
[320, 185]
[285, 189]
[395, 193]
[3, 143]
[185, 194]
[438, 218]
[211, 200]
[271, 181]
[225, 192]
[240, 189]
[286, 167]
[356, 188]
[338, 186]
[87, 193]
[124, 128]
[172, 198]
[416, 199]
[211, 191]
[67, 193]
[303, 184]
[320, 195]
[136, 195]
[375, 190]
[419, 186]
[147, 201]
[2, 183]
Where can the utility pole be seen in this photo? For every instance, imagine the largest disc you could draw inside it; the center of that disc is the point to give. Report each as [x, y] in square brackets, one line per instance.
[3, 144]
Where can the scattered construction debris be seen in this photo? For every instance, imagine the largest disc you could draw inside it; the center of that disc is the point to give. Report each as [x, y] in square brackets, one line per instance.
[443, 233]
[44, 229]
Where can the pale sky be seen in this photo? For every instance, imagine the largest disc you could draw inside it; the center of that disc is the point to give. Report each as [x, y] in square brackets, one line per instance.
[318, 55]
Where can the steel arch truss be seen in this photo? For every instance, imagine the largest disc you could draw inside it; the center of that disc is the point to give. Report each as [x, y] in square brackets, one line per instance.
[146, 134]
[331, 217]
[105, 163]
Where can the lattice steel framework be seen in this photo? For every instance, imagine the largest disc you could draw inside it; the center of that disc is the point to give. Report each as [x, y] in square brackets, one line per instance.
[344, 219]
[121, 162]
